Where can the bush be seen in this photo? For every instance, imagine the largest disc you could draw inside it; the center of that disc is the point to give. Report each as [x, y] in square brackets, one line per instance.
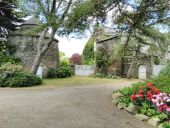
[52, 73]
[12, 75]
[165, 71]
[62, 72]
[9, 68]
[5, 59]
[24, 79]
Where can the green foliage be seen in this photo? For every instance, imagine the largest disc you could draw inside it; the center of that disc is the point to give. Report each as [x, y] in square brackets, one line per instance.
[102, 60]
[156, 61]
[62, 72]
[166, 125]
[146, 109]
[162, 116]
[12, 75]
[63, 60]
[9, 68]
[51, 73]
[165, 71]
[9, 17]
[4, 59]
[24, 79]
[88, 52]
[162, 83]
[102, 75]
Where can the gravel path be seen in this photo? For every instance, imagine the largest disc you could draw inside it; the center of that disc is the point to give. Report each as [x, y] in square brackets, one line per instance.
[66, 107]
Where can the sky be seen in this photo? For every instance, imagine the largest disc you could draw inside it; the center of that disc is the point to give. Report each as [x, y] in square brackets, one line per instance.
[71, 45]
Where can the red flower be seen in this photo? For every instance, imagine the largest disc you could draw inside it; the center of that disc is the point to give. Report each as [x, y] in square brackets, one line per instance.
[149, 95]
[150, 84]
[133, 97]
[140, 91]
[165, 106]
[141, 95]
[160, 109]
[157, 91]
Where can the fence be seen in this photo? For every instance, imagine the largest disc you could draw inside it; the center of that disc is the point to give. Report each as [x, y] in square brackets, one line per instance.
[84, 70]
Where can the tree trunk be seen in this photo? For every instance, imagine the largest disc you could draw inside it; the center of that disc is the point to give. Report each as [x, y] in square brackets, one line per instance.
[41, 50]
[36, 63]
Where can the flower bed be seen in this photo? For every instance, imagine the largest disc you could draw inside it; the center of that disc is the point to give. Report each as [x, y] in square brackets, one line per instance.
[147, 100]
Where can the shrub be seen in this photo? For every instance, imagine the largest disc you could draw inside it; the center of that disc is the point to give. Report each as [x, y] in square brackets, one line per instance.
[12, 75]
[62, 72]
[4, 59]
[162, 83]
[52, 73]
[76, 59]
[165, 71]
[11, 68]
[24, 79]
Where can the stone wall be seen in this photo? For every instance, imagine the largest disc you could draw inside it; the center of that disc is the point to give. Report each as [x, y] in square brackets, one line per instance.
[106, 48]
[26, 50]
[140, 60]
[120, 66]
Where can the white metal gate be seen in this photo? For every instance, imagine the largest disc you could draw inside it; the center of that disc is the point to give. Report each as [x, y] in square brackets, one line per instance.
[142, 72]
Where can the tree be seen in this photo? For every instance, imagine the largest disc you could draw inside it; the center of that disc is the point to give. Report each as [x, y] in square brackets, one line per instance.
[63, 59]
[139, 22]
[9, 19]
[76, 59]
[88, 51]
[8, 16]
[62, 17]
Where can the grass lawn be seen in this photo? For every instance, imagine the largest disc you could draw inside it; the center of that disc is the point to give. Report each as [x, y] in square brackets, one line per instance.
[78, 81]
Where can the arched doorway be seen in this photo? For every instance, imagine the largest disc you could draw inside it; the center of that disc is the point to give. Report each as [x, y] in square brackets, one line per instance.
[142, 72]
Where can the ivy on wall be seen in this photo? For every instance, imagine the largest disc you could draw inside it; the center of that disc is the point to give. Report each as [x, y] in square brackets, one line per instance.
[102, 61]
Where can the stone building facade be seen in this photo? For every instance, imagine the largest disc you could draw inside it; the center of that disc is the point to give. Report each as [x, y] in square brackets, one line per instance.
[120, 66]
[24, 43]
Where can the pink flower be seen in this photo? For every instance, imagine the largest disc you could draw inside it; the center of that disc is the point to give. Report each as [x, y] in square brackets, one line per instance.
[165, 97]
[168, 109]
[160, 109]
[155, 100]
[159, 104]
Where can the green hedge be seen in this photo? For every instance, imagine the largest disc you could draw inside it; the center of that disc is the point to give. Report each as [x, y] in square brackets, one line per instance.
[61, 72]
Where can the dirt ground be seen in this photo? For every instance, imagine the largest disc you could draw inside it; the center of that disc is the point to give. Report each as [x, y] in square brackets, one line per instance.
[65, 107]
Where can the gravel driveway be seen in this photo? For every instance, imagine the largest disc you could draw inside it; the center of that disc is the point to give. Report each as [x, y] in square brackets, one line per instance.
[66, 107]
